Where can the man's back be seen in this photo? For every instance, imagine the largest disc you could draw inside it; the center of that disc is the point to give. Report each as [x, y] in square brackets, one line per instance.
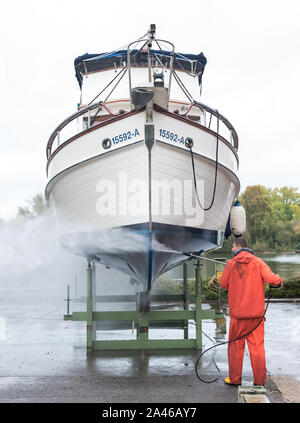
[245, 276]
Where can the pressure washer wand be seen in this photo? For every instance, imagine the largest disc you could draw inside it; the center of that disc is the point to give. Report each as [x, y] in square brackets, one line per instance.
[191, 255]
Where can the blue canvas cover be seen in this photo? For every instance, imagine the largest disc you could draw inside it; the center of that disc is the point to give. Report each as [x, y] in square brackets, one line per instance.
[97, 62]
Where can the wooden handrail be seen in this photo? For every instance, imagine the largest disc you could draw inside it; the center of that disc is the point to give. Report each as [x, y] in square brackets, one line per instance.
[74, 116]
[223, 119]
[65, 122]
[197, 125]
[92, 128]
[217, 115]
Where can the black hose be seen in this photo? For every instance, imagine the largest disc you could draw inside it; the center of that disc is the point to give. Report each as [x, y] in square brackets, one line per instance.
[189, 144]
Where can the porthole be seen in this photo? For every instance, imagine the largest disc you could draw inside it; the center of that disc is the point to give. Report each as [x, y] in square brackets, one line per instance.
[106, 143]
[189, 142]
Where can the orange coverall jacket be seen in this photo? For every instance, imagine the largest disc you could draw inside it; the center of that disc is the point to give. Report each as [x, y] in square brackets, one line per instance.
[245, 276]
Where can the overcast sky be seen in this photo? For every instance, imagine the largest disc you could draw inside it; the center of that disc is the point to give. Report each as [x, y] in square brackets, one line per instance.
[252, 76]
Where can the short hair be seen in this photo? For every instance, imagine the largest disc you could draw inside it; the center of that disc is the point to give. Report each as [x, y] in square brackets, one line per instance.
[241, 241]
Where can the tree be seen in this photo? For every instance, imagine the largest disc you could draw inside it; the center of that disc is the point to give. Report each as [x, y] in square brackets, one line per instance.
[285, 202]
[295, 209]
[259, 213]
[37, 206]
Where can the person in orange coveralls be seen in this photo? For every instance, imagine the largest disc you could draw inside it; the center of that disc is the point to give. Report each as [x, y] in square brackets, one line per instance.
[245, 276]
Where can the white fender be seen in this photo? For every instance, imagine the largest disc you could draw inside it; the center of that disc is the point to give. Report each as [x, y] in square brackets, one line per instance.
[237, 219]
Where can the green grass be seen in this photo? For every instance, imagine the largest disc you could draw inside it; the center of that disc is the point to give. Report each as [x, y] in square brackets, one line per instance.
[165, 285]
[290, 289]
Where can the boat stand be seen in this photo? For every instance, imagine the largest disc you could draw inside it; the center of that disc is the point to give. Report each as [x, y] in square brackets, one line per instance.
[143, 322]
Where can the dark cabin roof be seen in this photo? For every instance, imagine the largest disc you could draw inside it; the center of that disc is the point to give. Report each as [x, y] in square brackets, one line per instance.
[97, 62]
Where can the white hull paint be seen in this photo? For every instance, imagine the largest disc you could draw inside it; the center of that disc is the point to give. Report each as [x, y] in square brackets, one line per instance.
[82, 168]
[152, 194]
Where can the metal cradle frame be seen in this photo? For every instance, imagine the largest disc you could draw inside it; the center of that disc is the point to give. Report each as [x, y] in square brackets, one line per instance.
[144, 321]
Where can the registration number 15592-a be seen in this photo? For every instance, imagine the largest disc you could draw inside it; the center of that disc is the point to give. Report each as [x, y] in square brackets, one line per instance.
[125, 136]
[171, 136]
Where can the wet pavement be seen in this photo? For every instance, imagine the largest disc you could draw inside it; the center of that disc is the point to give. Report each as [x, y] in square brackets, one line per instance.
[44, 359]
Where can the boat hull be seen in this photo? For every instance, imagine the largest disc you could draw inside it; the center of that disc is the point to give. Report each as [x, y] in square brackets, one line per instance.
[142, 254]
[135, 208]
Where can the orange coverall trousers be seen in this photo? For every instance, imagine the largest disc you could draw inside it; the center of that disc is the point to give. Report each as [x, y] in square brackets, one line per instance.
[255, 342]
